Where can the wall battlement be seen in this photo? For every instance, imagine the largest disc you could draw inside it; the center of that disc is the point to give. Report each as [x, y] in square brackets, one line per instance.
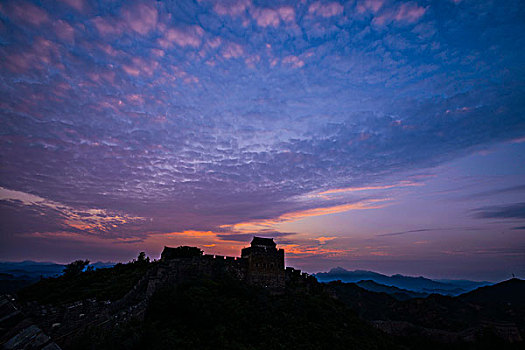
[260, 264]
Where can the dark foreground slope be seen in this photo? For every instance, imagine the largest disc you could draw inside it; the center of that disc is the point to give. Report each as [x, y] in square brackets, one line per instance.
[228, 314]
[136, 306]
[489, 317]
[111, 309]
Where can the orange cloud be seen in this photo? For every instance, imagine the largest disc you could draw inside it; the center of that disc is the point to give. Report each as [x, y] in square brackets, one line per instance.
[323, 240]
[296, 249]
[367, 188]
[250, 226]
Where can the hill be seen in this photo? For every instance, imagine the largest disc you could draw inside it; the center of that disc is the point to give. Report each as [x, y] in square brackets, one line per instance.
[197, 302]
[228, 314]
[507, 292]
[497, 310]
[398, 293]
[414, 284]
[17, 275]
[95, 311]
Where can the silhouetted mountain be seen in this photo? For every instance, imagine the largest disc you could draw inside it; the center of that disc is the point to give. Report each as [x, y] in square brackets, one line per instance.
[415, 284]
[16, 275]
[31, 269]
[465, 284]
[497, 309]
[506, 292]
[165, 305]
[398, 293]
[203, 312]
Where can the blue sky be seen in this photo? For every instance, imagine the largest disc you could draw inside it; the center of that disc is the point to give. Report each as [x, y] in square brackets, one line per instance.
[374, 134]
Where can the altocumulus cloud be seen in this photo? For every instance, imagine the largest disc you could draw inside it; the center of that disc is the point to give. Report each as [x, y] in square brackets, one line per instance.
[196, 115]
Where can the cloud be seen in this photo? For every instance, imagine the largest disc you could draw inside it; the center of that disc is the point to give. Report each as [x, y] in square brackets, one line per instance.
[26, 12]
[292, 216]
[186, 36]
[404, 13]
[194, 116]
[369, 5]
[511, 211]
[78, 5]
[49, 216]
[64, 31]
[405, 232]
[142, 18]
[266, 17]
[293, 61]
[368, 188]
[231, 7]
[498, 191]
[232, 50]
[323, 240]
[108, 26]
[325, 9]
[246, 237]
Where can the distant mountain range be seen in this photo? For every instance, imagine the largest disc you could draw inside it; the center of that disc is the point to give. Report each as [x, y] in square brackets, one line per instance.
[16, 275]
[407, 285]
[398, 293]
[499, 308]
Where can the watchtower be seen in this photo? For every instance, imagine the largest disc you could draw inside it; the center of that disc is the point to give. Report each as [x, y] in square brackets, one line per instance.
[265, 263]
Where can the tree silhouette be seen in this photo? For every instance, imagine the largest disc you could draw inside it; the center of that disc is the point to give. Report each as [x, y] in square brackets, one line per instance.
[75, 268]
[142, 258]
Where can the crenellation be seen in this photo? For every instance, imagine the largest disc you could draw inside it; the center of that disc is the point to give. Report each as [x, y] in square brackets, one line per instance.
[260, 264]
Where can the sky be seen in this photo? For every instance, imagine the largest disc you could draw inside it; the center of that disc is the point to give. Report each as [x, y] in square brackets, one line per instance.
[368, 134]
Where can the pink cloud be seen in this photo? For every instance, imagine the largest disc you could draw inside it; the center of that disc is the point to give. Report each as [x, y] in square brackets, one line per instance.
[251, 61]
[139, 66]
[287, 13]
[266, 17]
[369, 5]
[179, 74]
[78, 5]
[107, 26]
[190, 79]
[157, 52]
[325, 10]
[135, 99]
[109, 50]
[232, 50]
[64, 31]
[189, 36]
[29, 13]
[231, 8]
[293, 61]
[404, 13]
[409, 12]
[103, 77]
[141, 18]
[215, 42]
[43, 52]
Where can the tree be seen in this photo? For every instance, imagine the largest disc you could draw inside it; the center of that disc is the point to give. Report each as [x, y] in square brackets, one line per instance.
[75, 268]
[142, 258]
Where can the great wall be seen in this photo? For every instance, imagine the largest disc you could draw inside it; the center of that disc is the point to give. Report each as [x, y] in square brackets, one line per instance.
[261, 264]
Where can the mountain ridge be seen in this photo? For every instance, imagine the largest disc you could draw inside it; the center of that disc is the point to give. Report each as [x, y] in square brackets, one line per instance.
[417, 284]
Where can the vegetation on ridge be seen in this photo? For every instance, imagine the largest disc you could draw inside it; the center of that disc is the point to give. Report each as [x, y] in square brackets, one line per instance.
[101, 284]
